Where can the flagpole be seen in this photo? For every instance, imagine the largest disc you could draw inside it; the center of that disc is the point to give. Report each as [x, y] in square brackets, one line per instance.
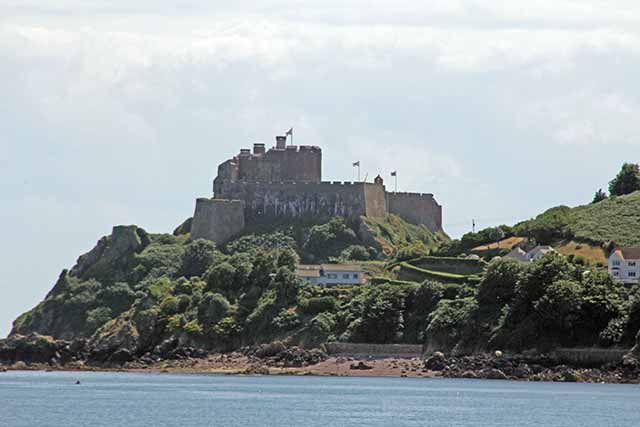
[396, 177]
[358, 171]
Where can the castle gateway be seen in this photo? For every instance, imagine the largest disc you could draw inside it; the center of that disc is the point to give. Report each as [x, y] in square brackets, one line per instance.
[286, 181]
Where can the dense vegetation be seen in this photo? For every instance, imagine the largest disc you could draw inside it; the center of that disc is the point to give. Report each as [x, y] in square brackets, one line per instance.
[156, 292]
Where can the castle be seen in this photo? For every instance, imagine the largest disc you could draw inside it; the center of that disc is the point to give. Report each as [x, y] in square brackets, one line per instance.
[286, 181]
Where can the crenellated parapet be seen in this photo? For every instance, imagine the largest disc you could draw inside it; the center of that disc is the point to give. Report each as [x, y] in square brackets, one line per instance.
[286, 181]
[416, 208]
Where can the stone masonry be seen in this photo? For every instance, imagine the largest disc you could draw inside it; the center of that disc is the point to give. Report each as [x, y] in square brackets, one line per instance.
[286, 181]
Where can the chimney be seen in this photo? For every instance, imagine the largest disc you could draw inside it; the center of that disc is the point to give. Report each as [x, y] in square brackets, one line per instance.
[258, 149]
[281, 142]
[245, 152]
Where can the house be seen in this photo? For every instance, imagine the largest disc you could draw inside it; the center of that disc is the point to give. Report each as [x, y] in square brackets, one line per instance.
[538, 252]
[331, 274]
[519, 254]
[624, 264]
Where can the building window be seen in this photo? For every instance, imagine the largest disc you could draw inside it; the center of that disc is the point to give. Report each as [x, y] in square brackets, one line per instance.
[632, 274]
[615, 263]
[355, 276]
[616, 273]
[632, 263]
[345, 276]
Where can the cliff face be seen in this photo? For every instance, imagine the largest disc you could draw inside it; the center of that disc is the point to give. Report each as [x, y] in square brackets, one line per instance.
[95, 289]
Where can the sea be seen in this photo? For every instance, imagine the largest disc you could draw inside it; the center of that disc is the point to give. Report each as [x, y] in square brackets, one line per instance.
[40, 399]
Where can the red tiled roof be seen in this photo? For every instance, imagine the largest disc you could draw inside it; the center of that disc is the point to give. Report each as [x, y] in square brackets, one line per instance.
[630, 252]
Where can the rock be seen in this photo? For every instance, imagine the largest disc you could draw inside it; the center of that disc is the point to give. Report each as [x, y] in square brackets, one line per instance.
[123, 241]
[521, 372]
[437, 362]
[494, 374]
[360, 366]
[19, 366]
[33, 348]
[570, 376]
[628, 361]
[121, 356]
[469, 375]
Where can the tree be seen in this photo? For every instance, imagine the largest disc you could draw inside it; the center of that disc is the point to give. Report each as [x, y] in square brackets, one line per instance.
[498, 284]
[198, 257]
[627, 181]
[599, 196]
[213, 308]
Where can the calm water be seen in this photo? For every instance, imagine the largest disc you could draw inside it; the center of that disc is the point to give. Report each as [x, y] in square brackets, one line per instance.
[122, 399]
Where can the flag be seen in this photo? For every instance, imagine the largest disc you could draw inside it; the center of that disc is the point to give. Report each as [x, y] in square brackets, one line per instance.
[289, 132]
[394, 173]
[356, 164]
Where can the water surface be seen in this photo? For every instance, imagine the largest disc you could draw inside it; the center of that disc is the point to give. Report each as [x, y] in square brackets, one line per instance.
[128, 399]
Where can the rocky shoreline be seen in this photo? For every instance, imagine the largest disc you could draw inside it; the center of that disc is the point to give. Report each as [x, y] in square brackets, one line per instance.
[36, 352]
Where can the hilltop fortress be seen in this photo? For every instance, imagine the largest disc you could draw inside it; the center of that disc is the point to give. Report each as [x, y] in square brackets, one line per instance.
[286, 181]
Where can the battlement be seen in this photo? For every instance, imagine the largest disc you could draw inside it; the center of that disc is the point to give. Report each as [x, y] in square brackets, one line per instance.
[429, 195]
[286, 181]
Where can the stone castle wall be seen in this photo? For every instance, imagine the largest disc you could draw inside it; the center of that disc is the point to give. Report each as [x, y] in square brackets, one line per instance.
[416, 208]
[299, 164]
[288, 199]
[217, 220]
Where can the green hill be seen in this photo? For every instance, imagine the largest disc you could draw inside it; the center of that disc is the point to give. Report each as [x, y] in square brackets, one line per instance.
[139, 295]
[616, 219]
[136, 290]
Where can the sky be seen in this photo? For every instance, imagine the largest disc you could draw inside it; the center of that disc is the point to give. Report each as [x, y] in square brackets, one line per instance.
[118, 112]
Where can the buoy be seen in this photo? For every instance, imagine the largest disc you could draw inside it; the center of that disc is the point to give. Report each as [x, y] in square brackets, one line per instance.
[78, 382]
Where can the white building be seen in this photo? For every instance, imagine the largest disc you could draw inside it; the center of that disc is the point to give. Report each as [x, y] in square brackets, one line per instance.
[538, 252]
[331, 274]
[624, 264]
[518, 254]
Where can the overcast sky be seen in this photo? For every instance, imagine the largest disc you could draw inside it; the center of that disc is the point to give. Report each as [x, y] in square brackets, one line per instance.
[118, 112]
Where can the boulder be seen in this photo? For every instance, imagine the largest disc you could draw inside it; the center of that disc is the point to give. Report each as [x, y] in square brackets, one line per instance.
[123, 241]
[360, 366]
[33, 348]
[494, 374]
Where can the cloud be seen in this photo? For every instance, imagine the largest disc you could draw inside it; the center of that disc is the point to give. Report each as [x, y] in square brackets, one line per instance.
[120, 111]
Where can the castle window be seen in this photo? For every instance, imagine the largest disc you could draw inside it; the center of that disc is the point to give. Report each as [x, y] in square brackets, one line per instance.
[615, 263]
[616, 273]
[632, 274]
[355, 276]
[345, 276]
[632, 263]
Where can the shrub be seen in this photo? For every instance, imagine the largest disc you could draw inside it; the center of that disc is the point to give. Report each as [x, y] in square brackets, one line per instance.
[497, 286]
[193, 328]
[317, 305]
[212, 308]
[286, 320]
[356, 253]
[198, 257]
[176, 322]
[221, 276]
[96, 318]
[449, 321]
[169, 306]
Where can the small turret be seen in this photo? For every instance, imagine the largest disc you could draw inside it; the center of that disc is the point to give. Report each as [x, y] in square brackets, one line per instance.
[281, 142]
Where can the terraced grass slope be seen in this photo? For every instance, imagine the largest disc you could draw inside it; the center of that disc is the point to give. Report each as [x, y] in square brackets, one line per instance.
[441, 269]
